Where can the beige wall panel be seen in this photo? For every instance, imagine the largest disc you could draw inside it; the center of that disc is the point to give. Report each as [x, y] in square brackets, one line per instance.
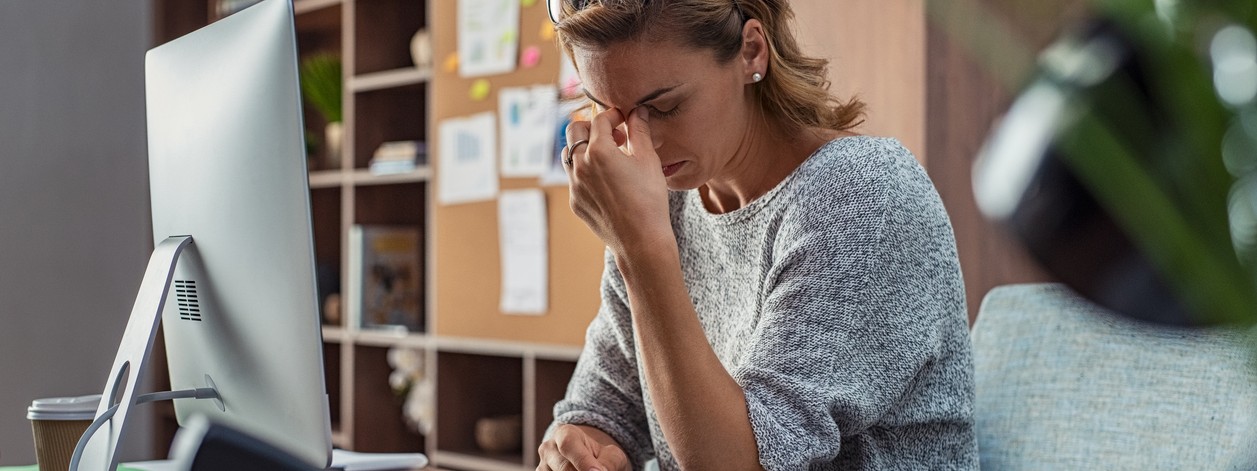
[876, 50]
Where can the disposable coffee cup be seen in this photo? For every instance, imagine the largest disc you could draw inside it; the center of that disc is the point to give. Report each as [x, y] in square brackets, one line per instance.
[58, 423]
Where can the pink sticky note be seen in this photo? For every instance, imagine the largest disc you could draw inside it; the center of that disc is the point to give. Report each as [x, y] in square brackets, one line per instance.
[530, 57]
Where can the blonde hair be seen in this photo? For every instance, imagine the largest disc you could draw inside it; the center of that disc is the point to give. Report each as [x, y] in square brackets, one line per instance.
[795, 88]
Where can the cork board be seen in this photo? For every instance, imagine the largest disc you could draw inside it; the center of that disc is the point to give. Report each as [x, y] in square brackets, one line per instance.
[465, 248]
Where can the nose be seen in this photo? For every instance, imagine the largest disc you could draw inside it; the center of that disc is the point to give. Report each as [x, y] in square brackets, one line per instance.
[657, 136]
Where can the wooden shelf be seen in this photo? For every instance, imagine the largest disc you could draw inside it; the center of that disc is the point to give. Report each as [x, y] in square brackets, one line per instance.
[384, 338]
[505, 348]
[332, 334]
[363, 177]
[326, 179]
[390, 79]
[474, 460]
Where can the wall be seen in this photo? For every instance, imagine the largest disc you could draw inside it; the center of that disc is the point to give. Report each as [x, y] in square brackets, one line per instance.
[876, 52]
[74, 230]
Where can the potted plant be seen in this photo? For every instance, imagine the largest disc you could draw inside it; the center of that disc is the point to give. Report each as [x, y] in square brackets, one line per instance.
[1136, 138]
[321, 89]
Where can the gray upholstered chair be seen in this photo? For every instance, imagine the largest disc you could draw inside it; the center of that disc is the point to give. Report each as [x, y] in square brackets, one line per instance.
[1064, 384]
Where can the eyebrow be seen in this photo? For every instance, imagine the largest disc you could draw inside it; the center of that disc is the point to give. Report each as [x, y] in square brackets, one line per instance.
[649, 96]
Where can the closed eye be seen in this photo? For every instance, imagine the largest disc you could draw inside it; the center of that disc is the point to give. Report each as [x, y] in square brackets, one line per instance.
[665, 114]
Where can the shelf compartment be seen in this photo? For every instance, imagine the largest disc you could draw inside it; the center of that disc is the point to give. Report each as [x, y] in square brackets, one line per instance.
[471, 387]
[318, 25]
[551, 385]
[325, 216]
[401, 204]
[388, 114]
[383, 30]
[306, 7]
[377, 411]
[332, 376]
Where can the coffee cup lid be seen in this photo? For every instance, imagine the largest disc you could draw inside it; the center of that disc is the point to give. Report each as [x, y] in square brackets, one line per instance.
[64, 408]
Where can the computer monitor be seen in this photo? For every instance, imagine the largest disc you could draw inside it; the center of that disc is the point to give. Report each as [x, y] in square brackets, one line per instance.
[238, 305]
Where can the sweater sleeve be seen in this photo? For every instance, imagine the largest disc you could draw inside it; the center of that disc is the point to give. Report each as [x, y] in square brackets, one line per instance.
[605, 390]
[862, 301]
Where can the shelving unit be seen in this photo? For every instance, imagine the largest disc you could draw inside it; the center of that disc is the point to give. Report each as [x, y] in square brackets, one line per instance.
[387, 98]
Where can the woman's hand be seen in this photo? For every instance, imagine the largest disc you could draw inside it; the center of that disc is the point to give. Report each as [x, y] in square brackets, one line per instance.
[621, 196]
[581, 448]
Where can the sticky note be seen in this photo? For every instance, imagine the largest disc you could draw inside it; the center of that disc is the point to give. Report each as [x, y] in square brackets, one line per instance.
[547, 31]
[479, 90]
[530, 57]
[451, 62]
[529, 3]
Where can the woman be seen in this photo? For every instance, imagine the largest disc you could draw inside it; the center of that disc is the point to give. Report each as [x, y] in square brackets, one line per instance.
[779, 292]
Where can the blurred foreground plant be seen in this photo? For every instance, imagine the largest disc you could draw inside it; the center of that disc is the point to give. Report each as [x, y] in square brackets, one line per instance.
[1128, 163]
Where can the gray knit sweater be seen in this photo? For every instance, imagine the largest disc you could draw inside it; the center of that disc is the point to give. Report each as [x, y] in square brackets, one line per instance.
[835, 300]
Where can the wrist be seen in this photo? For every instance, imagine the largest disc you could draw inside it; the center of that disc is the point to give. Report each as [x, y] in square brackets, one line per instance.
[645, 255]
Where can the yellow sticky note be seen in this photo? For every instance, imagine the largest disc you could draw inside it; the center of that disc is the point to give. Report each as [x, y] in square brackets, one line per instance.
[479, 90]
[529, 3]
[547, 31]
[451, 62]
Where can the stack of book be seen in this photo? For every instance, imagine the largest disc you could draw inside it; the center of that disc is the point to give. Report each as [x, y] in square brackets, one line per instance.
[399, 157]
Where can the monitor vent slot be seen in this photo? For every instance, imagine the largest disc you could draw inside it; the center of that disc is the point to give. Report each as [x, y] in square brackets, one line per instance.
[189, 305]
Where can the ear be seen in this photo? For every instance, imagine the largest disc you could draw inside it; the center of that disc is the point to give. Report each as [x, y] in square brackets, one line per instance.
[754, 53]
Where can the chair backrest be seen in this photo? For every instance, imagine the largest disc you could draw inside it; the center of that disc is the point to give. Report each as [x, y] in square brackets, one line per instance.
[1065, 384]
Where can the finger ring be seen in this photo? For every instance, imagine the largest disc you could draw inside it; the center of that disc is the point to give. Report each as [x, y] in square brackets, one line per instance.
[567, 161]
[572, 148]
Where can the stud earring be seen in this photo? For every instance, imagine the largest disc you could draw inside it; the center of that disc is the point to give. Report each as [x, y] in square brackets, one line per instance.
[756, 77]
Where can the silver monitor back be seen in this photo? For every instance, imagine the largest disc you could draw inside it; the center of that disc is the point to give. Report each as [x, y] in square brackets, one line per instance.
[227, 165]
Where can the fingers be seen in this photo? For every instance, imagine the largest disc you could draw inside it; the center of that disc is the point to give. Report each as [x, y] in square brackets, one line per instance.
[577, 448]
[606, 131]
[577, 135]
[602, 128]
[572, 150]
[569, 450]
[550, 458]
[620, 137]
[576, 130]
[639, 141]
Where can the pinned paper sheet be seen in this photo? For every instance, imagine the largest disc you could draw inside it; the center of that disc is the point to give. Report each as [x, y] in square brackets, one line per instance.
[528, 117]
[468, 165]
[488, 36]
[525, 267]
[555, 174]
[479, 90]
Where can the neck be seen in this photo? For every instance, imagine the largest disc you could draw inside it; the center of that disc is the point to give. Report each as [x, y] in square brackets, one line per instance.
[763, 159]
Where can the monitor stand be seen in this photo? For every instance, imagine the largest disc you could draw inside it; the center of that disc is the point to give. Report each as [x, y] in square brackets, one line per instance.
[99, 451]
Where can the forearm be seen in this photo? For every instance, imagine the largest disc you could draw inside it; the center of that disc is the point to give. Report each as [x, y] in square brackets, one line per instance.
[701, 409]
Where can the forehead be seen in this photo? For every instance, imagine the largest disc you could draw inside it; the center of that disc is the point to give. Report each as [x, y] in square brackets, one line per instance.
[623, 72]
